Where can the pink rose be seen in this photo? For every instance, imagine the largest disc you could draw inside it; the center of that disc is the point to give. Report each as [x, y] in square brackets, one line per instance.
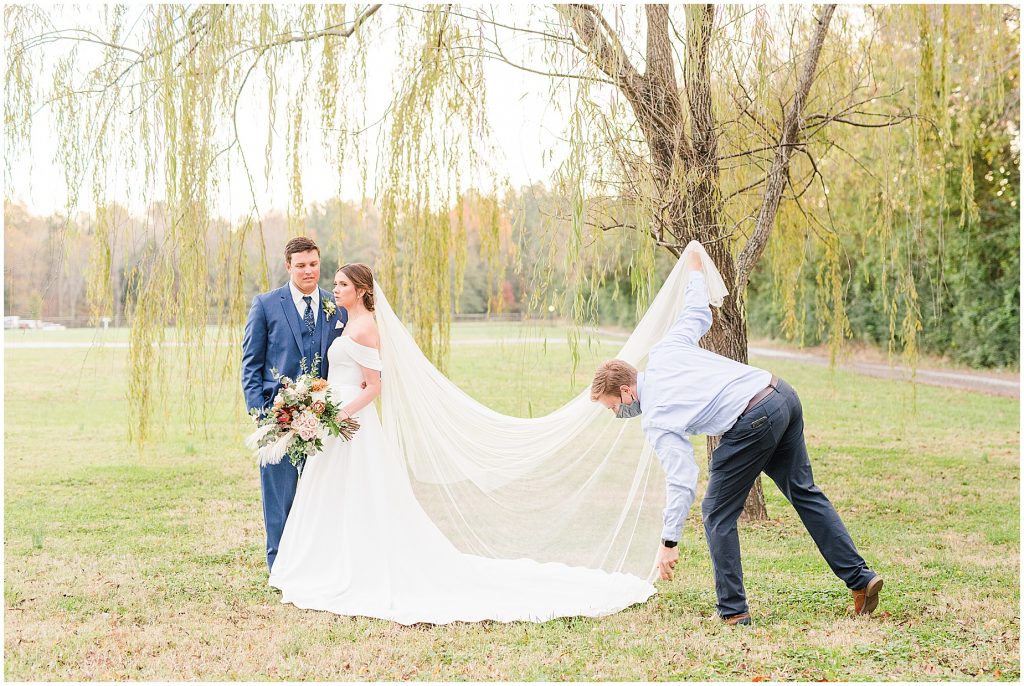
[307, 425]
[319, 406]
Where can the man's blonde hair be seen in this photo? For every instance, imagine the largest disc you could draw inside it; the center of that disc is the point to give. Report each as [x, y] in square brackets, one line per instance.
[610, 376]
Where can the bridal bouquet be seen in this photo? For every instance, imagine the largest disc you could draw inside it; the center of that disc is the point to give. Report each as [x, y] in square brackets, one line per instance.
[301, 417]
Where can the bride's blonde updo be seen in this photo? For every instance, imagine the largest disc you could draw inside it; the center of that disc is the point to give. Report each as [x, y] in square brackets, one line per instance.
[361, 277]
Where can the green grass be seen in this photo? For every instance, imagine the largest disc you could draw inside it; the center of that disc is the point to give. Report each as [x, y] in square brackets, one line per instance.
[127, 564]
[461, 331]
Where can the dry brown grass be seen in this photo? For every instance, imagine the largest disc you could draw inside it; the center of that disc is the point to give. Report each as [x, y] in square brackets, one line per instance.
[127, 566]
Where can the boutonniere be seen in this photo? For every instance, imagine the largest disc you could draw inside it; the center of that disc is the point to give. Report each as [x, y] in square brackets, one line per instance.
[329, 307]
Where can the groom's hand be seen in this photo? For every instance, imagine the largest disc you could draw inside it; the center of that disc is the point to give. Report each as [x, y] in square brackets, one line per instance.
[667, 558]
[693, 261]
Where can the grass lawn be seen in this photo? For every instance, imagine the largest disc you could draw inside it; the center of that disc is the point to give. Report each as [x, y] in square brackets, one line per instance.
[128, 564]
[465, 330]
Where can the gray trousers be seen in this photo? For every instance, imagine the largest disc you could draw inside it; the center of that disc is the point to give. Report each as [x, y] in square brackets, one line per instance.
[770, 439]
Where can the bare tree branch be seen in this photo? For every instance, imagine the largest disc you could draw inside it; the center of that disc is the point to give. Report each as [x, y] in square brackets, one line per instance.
[52, 36]
[609, 227]
[893, 121]
[489, 20]
[330, 31]
[777, 177]
[745, 188]
[747, 153]
[499, 55]
[603, 44]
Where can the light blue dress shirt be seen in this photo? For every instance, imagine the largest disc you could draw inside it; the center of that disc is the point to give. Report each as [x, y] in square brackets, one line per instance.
[685, 391]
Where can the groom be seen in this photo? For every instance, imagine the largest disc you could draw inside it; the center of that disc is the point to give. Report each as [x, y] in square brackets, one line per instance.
[687, 390]
[292, 323]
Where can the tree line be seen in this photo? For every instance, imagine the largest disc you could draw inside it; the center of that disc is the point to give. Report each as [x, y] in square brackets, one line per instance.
[970, 300]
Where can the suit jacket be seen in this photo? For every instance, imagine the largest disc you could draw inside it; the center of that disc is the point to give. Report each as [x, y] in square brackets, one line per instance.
[273, 340]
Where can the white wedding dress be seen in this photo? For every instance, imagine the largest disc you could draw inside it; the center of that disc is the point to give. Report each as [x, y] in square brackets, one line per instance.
[357, 542]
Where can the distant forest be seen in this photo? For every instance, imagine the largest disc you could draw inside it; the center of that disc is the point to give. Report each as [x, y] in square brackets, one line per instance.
[970, 312]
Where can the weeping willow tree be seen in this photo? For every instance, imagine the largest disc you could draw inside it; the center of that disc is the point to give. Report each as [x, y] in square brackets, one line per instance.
[724, 124]
[161, 100]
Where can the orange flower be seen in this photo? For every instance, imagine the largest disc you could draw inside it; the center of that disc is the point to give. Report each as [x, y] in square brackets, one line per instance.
[318, 385]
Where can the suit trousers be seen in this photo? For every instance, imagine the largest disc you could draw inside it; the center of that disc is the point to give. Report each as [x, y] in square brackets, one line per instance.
[769, 438]
[278, 482]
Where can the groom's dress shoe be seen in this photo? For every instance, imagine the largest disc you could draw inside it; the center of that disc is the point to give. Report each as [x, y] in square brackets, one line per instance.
[865, 600]
[742, 619]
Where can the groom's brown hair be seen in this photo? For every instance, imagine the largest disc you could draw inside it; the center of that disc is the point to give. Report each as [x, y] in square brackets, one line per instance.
[299, 244]
[610, 376]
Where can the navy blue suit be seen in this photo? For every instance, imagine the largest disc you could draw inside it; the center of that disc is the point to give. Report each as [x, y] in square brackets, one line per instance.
[276, 337]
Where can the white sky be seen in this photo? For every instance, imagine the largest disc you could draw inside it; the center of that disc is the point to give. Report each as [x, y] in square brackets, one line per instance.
[523, 122]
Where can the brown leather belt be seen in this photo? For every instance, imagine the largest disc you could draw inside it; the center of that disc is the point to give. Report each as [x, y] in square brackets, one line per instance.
[762, 394]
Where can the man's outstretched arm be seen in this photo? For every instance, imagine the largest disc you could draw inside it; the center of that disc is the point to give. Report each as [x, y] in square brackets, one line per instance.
[676, 456]
[695, 319]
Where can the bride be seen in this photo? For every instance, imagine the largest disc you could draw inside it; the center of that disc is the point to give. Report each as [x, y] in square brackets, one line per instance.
[358, 542]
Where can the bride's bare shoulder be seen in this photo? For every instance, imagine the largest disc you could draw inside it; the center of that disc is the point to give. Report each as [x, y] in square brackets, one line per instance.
[365, 333]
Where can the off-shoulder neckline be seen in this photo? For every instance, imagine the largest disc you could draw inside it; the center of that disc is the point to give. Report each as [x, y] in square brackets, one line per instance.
[368, 347]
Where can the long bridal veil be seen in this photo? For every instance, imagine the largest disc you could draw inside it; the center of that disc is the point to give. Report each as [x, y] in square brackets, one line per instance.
[576, 486]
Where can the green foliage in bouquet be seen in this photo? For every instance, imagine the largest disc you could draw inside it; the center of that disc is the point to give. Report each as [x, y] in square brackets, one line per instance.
[299, 420]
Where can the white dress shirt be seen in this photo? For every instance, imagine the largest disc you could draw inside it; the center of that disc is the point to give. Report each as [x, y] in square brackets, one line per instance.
[685, 391]
[300, 304]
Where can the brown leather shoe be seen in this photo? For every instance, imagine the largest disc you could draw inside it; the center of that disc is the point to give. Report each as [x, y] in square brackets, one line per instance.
[743, 619]
[865, 600]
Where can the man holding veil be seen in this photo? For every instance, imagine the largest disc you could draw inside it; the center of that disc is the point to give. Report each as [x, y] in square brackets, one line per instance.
[687, 390]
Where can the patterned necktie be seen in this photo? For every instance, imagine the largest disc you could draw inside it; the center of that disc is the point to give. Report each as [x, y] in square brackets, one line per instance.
[308, 315]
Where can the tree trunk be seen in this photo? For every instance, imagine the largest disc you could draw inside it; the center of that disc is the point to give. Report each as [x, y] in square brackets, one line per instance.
[684, 170]
[728, 334]
[728, 337]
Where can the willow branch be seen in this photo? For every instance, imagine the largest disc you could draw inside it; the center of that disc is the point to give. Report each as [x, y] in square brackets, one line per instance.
[745, 189]
[893, 121]
[489, 20]
[777, 176]
[37, 40]
[499, 55]
[609, 227]
[602, 44]
[331, 31]
[747, 153]
[234, 123]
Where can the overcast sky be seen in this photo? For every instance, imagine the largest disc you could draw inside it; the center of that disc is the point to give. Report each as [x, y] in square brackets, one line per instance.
[527, 127]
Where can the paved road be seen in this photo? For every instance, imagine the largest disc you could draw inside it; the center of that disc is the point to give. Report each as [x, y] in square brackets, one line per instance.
[992, 383]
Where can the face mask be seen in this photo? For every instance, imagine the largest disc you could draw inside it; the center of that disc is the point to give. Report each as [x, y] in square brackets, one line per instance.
[628, 411]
